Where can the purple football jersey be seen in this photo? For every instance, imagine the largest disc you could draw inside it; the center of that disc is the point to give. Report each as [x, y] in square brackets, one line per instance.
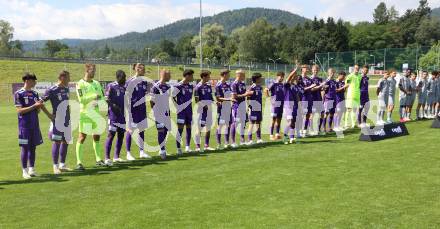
[256, 97]
[276, 92]
[330, 90]
[203, 91]
[364, 89]
[238, 88]
[340, 96]
[291, 99]
[224, 111]
[182, 94]
[222, 90]
[115, 94]
[23, 99]
[316, 95]
[28, 124]
[160, 94]
[306, 82]
[136, 90]
[56, 95]
[291, 93]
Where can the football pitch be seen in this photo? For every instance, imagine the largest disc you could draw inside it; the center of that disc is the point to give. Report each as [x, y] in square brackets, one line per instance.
[324, 182]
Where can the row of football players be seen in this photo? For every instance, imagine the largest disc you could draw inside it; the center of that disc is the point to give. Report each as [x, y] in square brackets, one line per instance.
[326, 99]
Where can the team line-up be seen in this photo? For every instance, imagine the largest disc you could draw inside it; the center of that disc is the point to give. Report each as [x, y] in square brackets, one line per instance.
[299, 99]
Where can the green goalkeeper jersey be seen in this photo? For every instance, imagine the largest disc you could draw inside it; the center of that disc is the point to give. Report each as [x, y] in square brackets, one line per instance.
[88, 92]
[354, 89]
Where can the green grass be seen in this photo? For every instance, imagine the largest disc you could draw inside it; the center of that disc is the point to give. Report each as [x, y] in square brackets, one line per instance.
[12, 70]
[323, 183]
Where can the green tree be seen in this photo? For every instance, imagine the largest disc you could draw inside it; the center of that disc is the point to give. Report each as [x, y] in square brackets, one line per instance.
[184, 47]
[167, 46]
[53, 46]
[64, 54]
[428, 32]
[106, 51]
[410, 22]
[6, 35]
[162, 57]
[231, 46]
[393, 14]
[431, 60]
[16, 48]
[258, 41]
[380, 14]
[213, 41]
[81, 53]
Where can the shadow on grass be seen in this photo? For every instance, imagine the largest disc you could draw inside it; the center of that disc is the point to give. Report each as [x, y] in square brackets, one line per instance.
[40, 179]
[156, 160]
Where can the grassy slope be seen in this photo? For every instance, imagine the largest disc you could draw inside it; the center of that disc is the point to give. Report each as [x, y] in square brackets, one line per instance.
[11, 71]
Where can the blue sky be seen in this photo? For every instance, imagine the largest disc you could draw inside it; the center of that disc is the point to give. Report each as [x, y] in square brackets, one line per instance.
[94, 19]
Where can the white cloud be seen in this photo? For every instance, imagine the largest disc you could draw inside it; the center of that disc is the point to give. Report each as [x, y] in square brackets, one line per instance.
[362, 10]
[37, 20]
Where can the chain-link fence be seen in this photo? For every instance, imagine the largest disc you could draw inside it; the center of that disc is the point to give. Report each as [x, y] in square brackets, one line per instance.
[420, 58]
[6, 92]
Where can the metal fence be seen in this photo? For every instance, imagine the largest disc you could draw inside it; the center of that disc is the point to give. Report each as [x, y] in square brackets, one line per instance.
[272, 66]
[380, 59]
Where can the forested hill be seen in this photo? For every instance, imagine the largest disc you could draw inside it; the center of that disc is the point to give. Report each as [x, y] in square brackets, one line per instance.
[229, 19]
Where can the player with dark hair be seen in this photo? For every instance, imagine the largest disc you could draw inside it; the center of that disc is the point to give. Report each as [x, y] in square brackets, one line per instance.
[422, 94]
[329, 89]
[115, 95]
[364, 98]
[204, 99]
[405, 92]
[182, 95]
[292, 94]
[340, 100]
[276, 93]
[28, 104]
[255, 108]
[382, 92]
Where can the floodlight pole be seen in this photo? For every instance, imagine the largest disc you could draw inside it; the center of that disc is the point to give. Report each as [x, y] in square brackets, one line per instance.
[201, 48]
[438, 57]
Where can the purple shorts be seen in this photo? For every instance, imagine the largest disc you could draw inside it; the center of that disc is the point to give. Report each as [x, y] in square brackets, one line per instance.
[317, 106]
[57, 135]
[290, 111]
[330, 106]
[29, 137]
[340, 107]
[163, 120]
[307, 106]
[277, 112]
[114, 126]
[185, 117]
[239, 115]
[205, 117]
[138, 115]
[255, 116]
[364, 101]
[224, 116]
